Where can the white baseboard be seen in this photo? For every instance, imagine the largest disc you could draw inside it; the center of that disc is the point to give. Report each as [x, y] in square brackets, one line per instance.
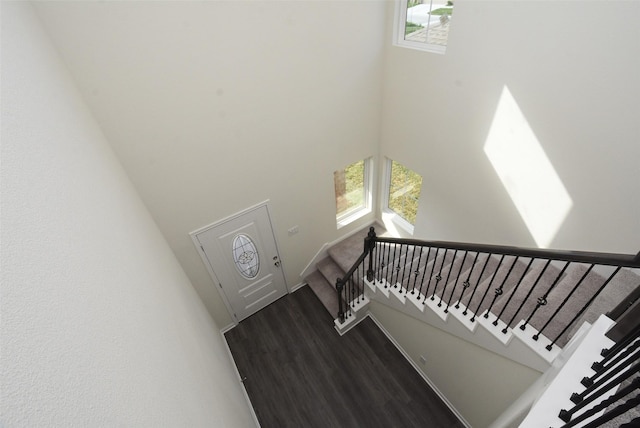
[235, 368]
[297, 287]
[420, 372]
[226, 329]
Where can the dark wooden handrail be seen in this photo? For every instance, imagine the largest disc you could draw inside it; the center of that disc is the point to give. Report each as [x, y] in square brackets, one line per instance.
[567, 256]
[610, 259]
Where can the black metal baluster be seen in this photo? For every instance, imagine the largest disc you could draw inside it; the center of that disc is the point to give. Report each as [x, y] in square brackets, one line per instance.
[439, 276]
[446, 281]
[381, 247]
[617, 411]
[493, 277]
[413, 253]
[389, 265]
[386, 275]
[526, 270]
[542, 301]
[584, 400]
[544, 269]
[621, 344]
[397, 284]
[394, 271]
[498, 291]
[347, 288]
[424, 272]
[466, 284]
[392, 266]
[433, 269]
[360, 275]
[457, 279]
[584, 308]
[369, 245]
[601, 368]
[404, 269]
[566, 299]
[339, 289]
[348, 299]
[466, 308]
[374, 255]
[631, 365]
[417, 271]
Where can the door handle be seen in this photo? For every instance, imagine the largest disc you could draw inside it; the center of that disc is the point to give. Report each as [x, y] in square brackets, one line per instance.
[276, 261]
[277, 264]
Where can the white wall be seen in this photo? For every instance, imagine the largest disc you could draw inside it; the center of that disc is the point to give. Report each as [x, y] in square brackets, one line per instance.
[100, 325]
[572, 68]
[478, 383]
[213, 107]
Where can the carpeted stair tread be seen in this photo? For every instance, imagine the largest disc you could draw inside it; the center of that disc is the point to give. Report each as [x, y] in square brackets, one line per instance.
[330, 270]
[346, 252]
[325, 292]
[620, 286]
[577, 300]
[398, 262]
[423, 262]
[471, 273]
[486, 291]
[457, 273]
[517, 295]
[441, 263]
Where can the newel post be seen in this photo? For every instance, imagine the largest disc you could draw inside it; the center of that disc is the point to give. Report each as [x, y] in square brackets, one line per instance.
[369, 245]
[339, 288]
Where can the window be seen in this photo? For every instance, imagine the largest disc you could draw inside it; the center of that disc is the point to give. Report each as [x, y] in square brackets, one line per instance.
[423, 24]
[353, 191]
[402, 195]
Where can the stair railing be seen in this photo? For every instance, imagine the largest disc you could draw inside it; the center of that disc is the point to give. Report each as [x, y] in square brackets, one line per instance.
[350, 287]
[489, 281]
[613, 390]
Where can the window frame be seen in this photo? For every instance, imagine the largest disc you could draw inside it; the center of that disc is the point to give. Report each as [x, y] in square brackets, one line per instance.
[387, 212]
[354, 214]
[399, 24]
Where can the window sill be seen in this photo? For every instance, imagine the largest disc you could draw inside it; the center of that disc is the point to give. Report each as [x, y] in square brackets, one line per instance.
[351, 217]
[419, 46]
[396, 224]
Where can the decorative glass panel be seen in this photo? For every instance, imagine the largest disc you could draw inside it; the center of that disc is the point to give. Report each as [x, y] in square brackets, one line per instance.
[245, 256]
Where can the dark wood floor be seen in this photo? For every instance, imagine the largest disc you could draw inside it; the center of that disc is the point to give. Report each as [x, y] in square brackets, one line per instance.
[300, 373]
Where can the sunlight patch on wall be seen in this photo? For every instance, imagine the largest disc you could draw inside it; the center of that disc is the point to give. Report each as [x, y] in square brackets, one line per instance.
[526, 172]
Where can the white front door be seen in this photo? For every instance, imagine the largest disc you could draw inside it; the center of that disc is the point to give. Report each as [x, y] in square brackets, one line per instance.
[243, 260]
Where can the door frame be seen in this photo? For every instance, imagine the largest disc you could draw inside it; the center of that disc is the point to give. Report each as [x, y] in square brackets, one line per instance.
[203, 256]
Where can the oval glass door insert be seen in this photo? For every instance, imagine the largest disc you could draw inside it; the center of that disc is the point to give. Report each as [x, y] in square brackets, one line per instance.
[245, 256]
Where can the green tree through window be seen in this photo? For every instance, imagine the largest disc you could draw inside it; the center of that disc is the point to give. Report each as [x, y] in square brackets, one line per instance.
[404, 192]
[350, 188]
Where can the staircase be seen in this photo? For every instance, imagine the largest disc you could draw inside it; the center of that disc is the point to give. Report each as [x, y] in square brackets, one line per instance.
[523, 299]
[339, 259]
[509, 300]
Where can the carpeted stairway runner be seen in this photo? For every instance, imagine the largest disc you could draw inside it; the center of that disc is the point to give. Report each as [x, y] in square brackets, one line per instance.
[339, 260]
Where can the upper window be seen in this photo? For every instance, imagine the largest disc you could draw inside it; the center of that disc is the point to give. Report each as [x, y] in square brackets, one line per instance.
[353, 191]
[402, 195]
[423, 24]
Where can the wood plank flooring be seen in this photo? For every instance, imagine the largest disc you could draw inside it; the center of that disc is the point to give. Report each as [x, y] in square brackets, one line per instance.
[300, 373]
